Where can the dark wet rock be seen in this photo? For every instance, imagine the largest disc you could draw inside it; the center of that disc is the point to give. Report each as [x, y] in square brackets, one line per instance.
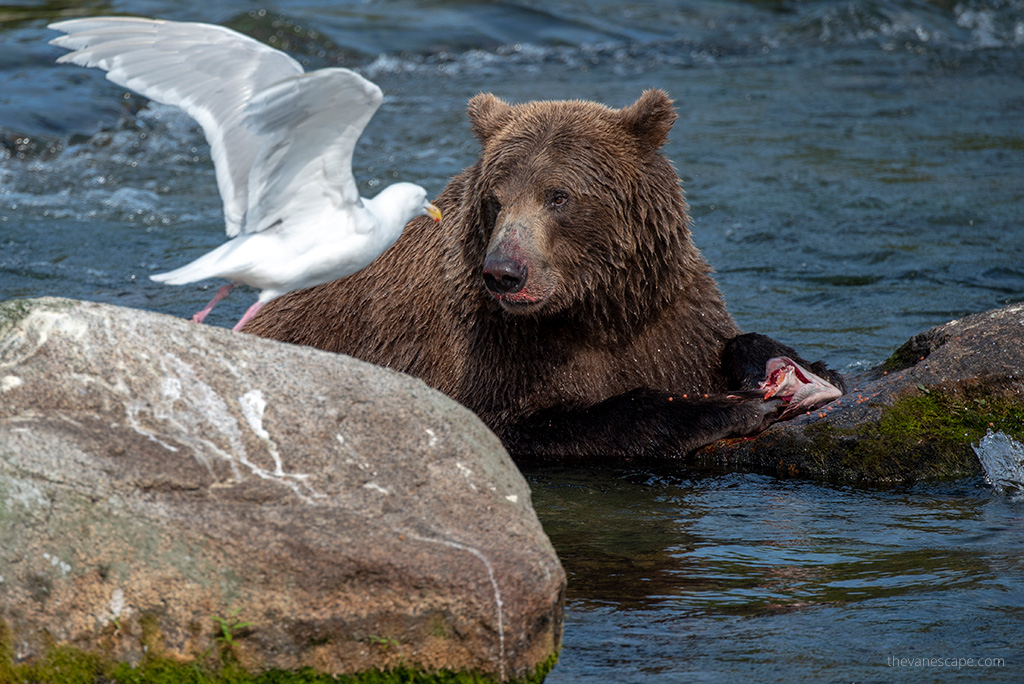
[915, 417]
[160, 478]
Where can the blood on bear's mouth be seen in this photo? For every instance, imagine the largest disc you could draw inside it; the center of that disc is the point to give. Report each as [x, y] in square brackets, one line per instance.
[507, 281]
[521, 302]
[505, 276]
[520, 281]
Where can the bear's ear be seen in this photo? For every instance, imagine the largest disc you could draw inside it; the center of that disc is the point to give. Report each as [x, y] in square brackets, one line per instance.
[487, 114]
[650, 118]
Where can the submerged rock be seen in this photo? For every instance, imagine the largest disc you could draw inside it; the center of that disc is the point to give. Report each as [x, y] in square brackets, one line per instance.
[918, 416]
[171, 490]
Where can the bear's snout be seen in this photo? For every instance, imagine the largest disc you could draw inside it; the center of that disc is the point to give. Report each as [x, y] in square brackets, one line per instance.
[504, 276]
[516, 269]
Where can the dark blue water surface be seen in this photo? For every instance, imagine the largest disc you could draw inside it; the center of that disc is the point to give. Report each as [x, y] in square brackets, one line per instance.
[856, 173]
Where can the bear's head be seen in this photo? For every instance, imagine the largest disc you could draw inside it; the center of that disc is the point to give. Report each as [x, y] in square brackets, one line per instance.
[576, 206]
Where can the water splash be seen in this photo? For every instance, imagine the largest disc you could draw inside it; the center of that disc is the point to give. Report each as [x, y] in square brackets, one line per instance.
[1002, 457]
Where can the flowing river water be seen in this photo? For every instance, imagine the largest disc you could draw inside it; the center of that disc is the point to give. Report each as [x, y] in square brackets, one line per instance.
[856, 175]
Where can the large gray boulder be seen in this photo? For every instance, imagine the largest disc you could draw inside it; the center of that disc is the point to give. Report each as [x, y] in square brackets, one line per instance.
[919, 416]
[163, 483]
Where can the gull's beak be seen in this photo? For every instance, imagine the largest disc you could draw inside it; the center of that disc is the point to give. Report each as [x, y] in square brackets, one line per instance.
[432, 211]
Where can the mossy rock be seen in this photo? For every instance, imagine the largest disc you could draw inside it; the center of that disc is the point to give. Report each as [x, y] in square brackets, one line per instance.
[925, 434]
[63, 664]
[918, 416]
[930, 435]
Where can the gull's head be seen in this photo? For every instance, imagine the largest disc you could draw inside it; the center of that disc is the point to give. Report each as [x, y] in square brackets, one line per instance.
[402, 202]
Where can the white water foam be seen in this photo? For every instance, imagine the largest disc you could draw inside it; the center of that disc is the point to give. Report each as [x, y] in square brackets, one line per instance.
[1002, 457]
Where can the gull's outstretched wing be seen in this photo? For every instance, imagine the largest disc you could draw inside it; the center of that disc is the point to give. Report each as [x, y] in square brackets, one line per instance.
[311, 124]
[209, 71]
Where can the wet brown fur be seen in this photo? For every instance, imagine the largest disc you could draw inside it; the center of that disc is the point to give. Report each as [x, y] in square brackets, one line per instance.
[633, 302]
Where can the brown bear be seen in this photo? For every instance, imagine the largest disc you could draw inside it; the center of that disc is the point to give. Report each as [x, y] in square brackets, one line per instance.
[561, 298]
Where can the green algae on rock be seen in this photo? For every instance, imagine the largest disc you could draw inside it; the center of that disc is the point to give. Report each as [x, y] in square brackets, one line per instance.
[66, 665]
[70, 665]
[926, 436]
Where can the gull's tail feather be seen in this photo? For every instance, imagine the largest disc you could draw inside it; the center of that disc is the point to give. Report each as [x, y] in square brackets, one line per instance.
[179, 276]
[209, 265]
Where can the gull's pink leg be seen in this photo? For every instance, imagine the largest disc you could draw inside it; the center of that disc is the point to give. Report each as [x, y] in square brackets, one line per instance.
[221, 294]
[248, 314]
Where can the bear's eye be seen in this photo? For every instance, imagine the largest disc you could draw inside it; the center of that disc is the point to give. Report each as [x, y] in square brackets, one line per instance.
[558, 198]
[491, 209]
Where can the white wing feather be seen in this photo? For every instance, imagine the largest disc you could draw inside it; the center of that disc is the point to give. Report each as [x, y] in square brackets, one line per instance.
[209, 71]
[311, 124]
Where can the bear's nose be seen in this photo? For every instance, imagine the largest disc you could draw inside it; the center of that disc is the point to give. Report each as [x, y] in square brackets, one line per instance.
[504, 276]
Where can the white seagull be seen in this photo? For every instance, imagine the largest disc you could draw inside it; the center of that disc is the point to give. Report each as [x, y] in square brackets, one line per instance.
[281, 142]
